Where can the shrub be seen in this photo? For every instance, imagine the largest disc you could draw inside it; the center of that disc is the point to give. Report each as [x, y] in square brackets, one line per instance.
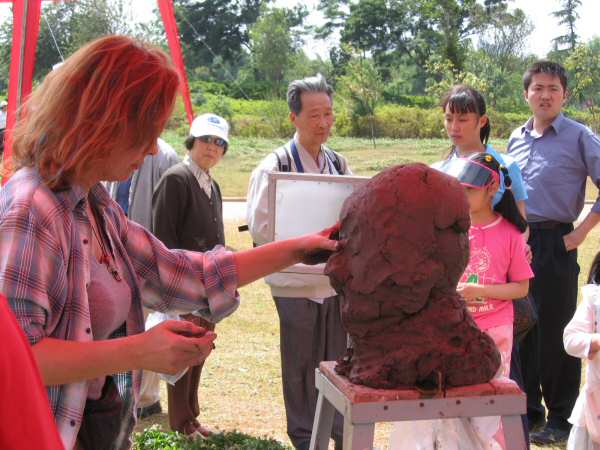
[270, 119]
[153, 438]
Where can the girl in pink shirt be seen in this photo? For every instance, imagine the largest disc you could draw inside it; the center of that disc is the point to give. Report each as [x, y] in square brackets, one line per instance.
[498, 271]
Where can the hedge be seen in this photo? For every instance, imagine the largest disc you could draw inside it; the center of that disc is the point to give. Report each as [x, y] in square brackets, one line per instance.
[270, 119]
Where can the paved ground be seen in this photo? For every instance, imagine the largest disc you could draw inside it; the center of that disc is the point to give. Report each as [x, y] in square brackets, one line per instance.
[234, 211]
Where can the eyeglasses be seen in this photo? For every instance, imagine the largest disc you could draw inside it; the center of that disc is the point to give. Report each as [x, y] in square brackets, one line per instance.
[219, 142]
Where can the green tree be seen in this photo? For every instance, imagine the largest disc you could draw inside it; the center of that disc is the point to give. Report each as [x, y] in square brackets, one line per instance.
[583, 65]
[500, 58]
[273, 46]
[362, 88]
[65, 27]
[567, 15]
[215, 33]
[413, 30]
[450, 76]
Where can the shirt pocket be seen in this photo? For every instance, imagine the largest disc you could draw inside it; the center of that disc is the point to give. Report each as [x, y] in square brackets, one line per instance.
[562, 166]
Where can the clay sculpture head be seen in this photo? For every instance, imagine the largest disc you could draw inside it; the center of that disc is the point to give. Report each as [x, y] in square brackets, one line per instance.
[406, 246]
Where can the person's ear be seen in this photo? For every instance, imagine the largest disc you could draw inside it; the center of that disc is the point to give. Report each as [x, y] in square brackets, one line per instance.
[293, 117]
[484, 120]
[493, 187]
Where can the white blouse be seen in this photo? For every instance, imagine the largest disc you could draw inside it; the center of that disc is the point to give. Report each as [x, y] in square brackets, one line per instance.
[577, 338]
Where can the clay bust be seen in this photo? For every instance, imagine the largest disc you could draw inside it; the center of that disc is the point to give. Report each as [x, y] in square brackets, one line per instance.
[406, 246]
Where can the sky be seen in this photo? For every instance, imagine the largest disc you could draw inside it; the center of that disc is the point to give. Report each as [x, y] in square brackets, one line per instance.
[538, 11]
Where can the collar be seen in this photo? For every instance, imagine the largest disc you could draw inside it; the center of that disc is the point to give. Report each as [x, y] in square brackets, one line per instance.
[454, 153]
[196, 169]
[303, 150]
[493, 223]
[557, 124]
[75, 195]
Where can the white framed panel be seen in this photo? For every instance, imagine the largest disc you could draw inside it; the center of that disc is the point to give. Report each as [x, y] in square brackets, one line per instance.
[301, 204]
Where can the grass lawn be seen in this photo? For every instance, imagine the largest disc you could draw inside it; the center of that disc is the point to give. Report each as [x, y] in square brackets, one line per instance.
[241, 383]
[244, 154]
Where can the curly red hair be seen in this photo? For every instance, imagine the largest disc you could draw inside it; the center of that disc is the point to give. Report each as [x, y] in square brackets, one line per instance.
[112, 95]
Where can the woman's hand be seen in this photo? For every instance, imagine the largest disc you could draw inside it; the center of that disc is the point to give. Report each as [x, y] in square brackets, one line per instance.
[317, 248]
[174, 345]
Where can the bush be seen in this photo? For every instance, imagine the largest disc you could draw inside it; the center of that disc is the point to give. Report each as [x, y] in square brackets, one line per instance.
[503, 124]
[420, 101]
[394, 121]
[270, 119]
[154, 438]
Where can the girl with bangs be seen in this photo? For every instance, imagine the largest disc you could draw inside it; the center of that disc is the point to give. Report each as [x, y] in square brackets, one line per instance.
[76, 271]
[468, 127]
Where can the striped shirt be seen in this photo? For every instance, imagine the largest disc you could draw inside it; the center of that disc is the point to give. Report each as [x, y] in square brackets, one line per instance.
[45, 253]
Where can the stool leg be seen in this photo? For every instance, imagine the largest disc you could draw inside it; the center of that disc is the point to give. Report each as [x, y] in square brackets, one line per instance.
[358, 436]
[322, 424]
[514, 436]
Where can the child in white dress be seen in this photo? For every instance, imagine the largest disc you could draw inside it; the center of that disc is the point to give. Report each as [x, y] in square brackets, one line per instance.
[582, 340]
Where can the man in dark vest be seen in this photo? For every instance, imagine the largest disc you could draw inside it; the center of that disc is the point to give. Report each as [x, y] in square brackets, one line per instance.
[308, 307]
[187, 213]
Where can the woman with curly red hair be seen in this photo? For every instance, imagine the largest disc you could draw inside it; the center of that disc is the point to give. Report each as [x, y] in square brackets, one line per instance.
[76, 272]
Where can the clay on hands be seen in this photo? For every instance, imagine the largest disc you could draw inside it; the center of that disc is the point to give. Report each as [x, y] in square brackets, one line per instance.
[405, 248]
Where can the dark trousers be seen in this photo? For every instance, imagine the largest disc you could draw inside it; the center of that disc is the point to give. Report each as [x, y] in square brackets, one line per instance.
[309, 333]
[183, 395]
[544, 360]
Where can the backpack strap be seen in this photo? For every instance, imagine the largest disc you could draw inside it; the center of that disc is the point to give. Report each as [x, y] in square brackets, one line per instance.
[336, 160]
[284, 160]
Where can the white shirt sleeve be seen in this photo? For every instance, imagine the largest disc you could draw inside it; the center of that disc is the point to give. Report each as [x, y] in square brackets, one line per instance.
[257, 206]
[577, 336]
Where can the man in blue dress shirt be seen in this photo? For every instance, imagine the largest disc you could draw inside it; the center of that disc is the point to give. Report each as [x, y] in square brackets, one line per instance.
[555, 155]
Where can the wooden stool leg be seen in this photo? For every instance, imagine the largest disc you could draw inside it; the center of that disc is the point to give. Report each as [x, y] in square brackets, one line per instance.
[358, 436]
[321, 431]
[514, 436]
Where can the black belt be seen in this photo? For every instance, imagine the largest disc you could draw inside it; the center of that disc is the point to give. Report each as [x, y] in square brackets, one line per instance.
[547, 225]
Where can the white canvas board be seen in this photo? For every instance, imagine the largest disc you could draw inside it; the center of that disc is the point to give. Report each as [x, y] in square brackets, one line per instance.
[300, 204]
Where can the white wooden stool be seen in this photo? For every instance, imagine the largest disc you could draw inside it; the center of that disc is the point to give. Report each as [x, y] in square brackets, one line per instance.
[362, 407]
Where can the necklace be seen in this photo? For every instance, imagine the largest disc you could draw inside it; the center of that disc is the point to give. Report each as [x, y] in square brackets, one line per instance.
[105, 258]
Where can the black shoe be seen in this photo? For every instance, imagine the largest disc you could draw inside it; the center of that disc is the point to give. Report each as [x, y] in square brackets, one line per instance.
[536, 425]
[549, 436]
[149, 410]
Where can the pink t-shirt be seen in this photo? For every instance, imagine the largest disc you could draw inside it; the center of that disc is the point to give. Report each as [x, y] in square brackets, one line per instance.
[497, 256]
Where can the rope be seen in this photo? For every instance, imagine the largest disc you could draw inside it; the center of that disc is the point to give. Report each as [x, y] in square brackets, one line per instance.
[53, 37]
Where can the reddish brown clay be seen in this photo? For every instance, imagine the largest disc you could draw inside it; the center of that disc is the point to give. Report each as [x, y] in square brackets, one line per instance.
[406, 246]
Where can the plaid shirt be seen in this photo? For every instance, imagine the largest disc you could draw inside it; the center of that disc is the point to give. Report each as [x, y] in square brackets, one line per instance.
[45, 241]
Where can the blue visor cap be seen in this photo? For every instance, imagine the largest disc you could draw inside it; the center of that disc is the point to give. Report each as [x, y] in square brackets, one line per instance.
[470, 173]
